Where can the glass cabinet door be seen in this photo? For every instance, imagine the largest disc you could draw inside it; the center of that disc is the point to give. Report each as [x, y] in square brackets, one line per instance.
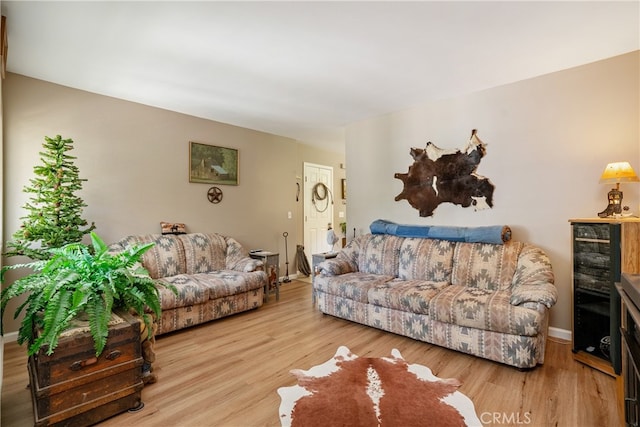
[596, 268]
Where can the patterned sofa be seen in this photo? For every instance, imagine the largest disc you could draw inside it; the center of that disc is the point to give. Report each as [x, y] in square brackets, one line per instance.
[214, 276]
[488, 300]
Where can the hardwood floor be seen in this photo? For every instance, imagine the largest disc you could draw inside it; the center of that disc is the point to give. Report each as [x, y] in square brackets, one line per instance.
[226, 373]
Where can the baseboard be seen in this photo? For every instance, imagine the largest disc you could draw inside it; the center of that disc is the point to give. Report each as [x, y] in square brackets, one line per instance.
[10, 337]
[291, 277]
[562, 334]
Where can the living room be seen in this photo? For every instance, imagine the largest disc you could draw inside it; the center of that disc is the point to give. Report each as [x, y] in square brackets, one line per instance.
[548, 139]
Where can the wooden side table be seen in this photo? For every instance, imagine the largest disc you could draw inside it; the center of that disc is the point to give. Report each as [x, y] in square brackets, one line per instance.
[271, 261]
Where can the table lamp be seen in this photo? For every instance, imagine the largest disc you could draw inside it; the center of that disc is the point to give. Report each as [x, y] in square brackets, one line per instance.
[615, 173]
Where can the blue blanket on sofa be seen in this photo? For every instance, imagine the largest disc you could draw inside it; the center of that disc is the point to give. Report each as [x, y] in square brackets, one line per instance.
[496, 234]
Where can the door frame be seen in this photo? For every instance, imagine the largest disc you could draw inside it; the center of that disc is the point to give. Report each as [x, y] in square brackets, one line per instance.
[307, 187]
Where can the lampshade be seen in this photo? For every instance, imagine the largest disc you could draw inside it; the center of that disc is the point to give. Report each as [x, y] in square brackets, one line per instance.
[618, 172]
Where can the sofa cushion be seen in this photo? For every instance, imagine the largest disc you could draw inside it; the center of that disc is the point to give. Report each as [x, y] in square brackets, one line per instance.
[165, 258]
[485, 265]
[224, 283]
[172, 228]
[350, 285]
[484, 309]
[412, 296]
[426, 259]
[379, 254]
[203, 252]
[190, 292]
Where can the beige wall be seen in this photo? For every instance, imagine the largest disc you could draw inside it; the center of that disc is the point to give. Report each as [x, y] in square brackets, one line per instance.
[548, 140]
[135, 159]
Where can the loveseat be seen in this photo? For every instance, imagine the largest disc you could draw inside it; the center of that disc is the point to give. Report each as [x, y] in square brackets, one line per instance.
[213, 274]
[485, 299]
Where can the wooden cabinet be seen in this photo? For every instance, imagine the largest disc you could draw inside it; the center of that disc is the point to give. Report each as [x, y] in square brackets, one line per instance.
[72, 387]
[602, 248]
[629, 290]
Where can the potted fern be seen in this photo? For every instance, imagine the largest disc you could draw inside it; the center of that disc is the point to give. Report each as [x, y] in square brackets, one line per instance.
[80, 280]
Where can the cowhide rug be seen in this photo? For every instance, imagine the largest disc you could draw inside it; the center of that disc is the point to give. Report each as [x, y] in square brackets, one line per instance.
[348, 390]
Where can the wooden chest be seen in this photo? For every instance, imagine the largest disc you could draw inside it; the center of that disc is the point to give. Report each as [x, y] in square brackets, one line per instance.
[74, 388]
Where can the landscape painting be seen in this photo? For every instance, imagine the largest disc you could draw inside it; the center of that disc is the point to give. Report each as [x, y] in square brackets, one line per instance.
[209, 164]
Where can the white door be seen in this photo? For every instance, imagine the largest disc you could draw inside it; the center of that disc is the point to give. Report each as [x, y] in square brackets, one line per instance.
[318, 208]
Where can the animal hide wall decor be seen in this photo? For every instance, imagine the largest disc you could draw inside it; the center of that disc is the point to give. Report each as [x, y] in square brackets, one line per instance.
[438, 176]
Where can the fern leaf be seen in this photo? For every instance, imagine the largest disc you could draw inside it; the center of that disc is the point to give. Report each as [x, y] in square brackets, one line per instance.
[98, 324]
[56, 318]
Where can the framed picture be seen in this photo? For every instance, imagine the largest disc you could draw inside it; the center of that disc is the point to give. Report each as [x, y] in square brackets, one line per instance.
[344, 189]
[209, 164]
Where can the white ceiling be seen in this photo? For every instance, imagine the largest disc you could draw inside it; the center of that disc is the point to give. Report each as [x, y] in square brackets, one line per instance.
[306, 69]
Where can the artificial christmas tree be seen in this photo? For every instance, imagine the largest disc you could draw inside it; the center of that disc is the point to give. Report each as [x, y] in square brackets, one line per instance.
[54, 210]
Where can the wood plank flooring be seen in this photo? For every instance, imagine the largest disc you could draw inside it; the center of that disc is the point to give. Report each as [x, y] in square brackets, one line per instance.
[226, 373]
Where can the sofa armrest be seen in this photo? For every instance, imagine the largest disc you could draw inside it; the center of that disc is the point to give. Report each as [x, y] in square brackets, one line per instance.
[334, 267]
[533, 281]
[542, 293]
[345, 262]
[238, 259]
[247, 265]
